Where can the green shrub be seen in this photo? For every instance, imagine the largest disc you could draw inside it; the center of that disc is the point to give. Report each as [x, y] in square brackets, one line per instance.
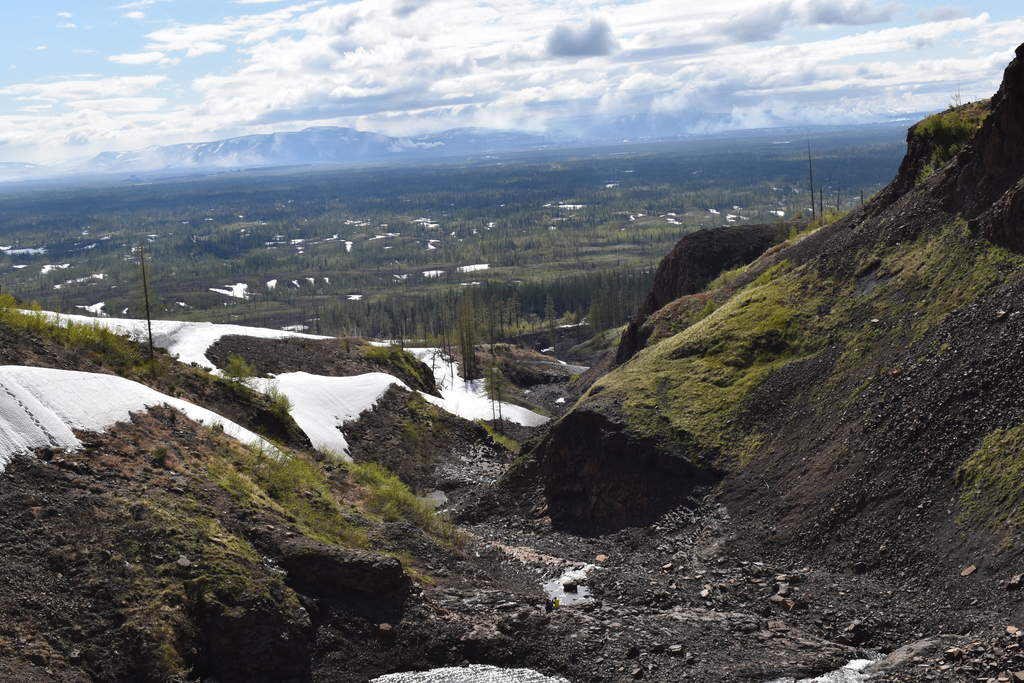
[388, 497]
[238, 368]
[280, 403]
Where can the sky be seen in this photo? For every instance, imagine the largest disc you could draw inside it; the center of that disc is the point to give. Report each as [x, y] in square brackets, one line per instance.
[85, 76]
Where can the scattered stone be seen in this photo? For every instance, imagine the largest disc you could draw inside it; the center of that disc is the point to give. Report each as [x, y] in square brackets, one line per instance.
[667, 567]
[967, 571]
[1012, 631]
[601, 558]
[570, 586]
[1015, 582]
[386, 628]
[183, 561]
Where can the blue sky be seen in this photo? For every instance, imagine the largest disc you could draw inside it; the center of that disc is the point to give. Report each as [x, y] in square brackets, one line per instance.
[81, 76]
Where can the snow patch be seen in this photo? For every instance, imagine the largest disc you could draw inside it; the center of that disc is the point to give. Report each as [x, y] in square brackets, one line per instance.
[468, 399]
[95, 309]
[322, 405]
[474, 268]
[236, 291]
[40, 407]
[188, 341]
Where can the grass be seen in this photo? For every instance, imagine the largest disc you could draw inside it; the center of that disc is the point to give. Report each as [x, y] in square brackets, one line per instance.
[502, 440]
[391, 500]
[399, 361]
[947, 132]
[992, 481]
[112, 349]
[294, 486]
[685, 391]
[224, 567]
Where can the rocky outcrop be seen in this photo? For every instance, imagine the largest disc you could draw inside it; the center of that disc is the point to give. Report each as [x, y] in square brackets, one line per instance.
[329, 571]
[598, 475]
[988, 186]
[696, 259]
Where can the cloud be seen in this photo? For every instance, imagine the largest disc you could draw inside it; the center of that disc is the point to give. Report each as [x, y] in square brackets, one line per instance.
[67, 24]
[78, 89]
[65, 15]
[943, 13]
[387, 65]
[846, 12]
[143, 58]
[134, 15]
[593, 40]
[138, 4]
[752, 25]
[40, 48]
[404, 8]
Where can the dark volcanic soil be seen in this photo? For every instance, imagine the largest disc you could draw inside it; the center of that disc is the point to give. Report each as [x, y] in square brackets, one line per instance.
[332, 357]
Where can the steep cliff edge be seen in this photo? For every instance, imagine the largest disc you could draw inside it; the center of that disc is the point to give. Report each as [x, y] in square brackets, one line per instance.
[855, 394]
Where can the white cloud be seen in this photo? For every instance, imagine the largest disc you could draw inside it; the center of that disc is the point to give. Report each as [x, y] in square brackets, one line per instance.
[386, 65]
[76, 89]
[65, 15]
[143, 58]
[136, 14]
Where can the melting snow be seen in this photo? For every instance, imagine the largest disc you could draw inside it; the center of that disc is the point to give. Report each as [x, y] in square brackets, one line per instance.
[237, 291]
[50, 268]
[433, 273]
[40, 407]
[322, 405]
[468, 399]
[475, 267]
[188, 341]
[271, 285]
[853, 672]
[355, 297]
[95, 309]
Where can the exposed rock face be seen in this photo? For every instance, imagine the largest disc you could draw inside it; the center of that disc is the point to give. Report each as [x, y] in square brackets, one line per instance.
[597, 475]
[329, 571]
[697, 259]
[989, 183]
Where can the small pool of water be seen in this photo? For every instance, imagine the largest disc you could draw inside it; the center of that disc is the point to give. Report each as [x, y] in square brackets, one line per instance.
[555, 588]
[475, 673]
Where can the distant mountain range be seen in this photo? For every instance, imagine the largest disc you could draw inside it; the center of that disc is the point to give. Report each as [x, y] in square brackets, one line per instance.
[312, 146]
[337, 145]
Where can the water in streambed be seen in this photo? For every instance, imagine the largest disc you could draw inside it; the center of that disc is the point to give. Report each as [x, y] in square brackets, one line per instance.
[853, 672]
[475, 673]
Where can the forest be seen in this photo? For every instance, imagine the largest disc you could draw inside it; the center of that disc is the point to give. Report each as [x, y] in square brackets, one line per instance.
[392, 252]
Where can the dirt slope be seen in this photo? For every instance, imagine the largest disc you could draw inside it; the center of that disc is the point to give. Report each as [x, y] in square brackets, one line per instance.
[856, 396]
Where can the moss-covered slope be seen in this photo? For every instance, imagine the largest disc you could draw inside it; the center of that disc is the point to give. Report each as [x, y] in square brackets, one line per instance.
[852, 393]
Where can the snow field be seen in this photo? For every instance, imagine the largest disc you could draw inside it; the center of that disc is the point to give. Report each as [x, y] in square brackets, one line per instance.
[40, 407]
